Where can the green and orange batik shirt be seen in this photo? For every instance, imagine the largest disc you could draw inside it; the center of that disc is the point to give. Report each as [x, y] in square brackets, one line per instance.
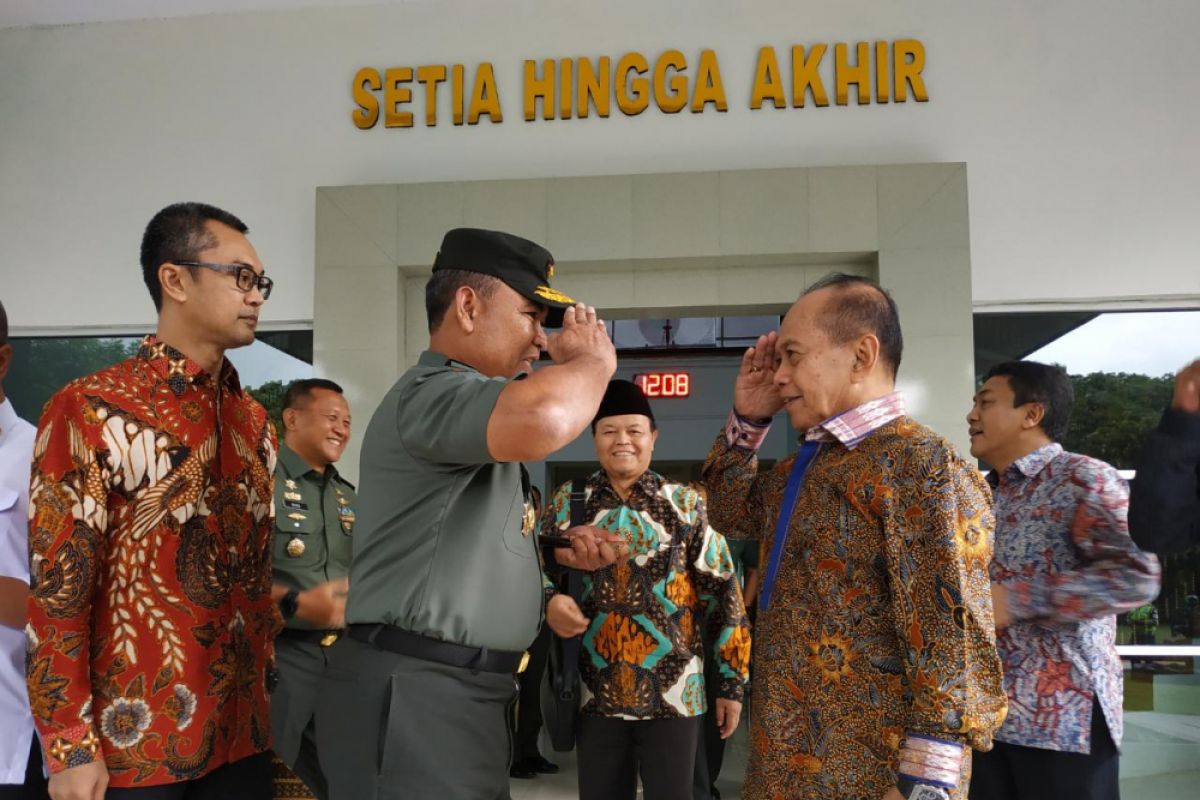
[643, 653]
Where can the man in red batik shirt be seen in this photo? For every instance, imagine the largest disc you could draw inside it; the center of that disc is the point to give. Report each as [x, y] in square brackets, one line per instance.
[151, 621]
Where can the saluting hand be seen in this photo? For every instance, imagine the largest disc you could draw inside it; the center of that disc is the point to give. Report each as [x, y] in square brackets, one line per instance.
[591, 548]
[564, 617]
[583, 334]
[755, 395]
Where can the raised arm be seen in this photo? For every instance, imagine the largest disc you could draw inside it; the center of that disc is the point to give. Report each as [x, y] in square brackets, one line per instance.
[546, 411]
[1164, 509]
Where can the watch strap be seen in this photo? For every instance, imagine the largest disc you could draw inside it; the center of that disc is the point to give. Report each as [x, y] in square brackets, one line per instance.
[289, 604]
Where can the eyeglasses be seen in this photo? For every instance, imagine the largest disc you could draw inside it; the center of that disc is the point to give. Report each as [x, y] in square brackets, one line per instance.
[247, 278]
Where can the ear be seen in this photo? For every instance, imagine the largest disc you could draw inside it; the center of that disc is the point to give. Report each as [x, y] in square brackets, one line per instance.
[866, 357]
[1034, 414]
[289, 419]
[653, 437]
[467, 307]
[175, 281]
[5, 360]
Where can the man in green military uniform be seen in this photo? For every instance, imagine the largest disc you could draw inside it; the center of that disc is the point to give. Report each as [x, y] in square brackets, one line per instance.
[315, 512]
[445, 585]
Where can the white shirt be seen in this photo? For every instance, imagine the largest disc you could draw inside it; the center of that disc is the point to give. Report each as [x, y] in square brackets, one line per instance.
[16, 453]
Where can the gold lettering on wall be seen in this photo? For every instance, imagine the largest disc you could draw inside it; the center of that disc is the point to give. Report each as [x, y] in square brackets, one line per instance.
[576, 87]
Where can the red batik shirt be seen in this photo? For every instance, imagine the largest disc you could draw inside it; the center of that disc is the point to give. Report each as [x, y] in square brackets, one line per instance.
[151, 621]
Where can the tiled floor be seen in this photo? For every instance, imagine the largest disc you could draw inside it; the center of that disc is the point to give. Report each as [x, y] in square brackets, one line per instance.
[1158, 763]
[564, 786]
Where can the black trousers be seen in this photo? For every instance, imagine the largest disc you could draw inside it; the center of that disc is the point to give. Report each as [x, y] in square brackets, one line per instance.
[528, 723]
[710, 747]
[1015, 772]
[614, 752]
[247, 779]
[34, 787]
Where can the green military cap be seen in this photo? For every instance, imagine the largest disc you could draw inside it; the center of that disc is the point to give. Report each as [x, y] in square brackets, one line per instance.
[525, 266]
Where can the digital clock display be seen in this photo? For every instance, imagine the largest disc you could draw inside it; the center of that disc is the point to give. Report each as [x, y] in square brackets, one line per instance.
[664, 384]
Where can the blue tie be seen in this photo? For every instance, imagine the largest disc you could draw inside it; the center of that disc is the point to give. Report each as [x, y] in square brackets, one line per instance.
[807, 454]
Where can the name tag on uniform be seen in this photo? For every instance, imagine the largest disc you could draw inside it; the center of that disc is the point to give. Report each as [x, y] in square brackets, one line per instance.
[296, 504]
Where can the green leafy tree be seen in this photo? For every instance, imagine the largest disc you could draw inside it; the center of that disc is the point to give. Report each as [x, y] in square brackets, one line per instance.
[42, 366]
[1114, 412]
[270, 394]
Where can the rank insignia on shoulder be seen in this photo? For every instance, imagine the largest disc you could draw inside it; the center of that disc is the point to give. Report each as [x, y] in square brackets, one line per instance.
[295, 547]
[529, 521]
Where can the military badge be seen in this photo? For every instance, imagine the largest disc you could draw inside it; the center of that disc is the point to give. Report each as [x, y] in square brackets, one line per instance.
[295, 547]
[554, 295]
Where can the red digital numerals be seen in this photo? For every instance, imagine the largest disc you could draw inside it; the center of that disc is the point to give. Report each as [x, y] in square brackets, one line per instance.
[664, 384]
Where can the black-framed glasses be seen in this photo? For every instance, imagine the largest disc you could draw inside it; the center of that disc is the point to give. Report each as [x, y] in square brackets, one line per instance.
[247, 278]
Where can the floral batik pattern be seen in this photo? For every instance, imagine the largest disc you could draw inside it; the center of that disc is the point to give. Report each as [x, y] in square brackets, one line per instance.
[643, 654]
[151, 621]
[1063, 552]
[880, 623]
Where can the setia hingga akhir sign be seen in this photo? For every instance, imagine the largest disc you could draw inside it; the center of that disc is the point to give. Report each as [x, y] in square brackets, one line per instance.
[575, 88]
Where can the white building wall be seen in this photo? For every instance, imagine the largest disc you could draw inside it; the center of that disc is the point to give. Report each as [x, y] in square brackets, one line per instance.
[1075, 118]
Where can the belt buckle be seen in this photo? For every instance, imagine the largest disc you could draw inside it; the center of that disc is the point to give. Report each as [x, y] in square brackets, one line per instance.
[524, 662]
[329, 639]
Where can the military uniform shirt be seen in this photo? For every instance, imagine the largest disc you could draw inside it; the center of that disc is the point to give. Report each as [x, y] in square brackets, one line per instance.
[440, 548]
[315, 515]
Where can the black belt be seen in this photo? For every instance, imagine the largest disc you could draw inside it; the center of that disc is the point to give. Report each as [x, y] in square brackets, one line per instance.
[398, 640]
[323, 638]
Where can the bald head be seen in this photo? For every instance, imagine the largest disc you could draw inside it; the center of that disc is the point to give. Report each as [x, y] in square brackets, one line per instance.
[852, 307]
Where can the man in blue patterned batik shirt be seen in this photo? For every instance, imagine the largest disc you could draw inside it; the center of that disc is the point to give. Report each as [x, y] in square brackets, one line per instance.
[1063, 568]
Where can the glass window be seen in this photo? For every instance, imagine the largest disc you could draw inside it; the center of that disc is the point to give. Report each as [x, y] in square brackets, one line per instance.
[690, 332]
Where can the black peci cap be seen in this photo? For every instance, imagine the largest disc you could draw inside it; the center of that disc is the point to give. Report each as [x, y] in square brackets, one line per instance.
[620, 398]
[525, 266]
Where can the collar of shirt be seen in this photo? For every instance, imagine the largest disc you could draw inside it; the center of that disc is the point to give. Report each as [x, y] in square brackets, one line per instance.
[8, 417]
[644, 487]
[296, 467]
[179, 371]
[1028, 465]
[432, 358]
[851, 427]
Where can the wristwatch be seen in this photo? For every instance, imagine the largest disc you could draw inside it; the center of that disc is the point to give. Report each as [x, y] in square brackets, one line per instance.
[289, 604]
[911, 790]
